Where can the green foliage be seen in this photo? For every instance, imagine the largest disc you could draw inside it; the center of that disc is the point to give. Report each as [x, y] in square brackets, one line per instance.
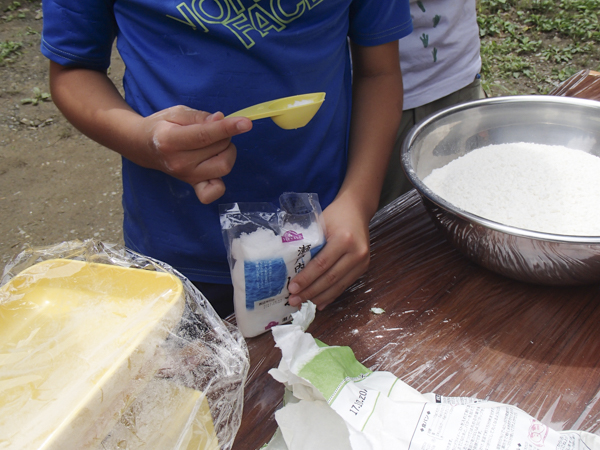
[18, 9]
[8, 50]
[38, 96]
[13, 6]
[518, 37]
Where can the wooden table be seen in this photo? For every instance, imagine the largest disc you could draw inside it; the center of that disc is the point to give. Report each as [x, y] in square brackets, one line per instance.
[453, 328]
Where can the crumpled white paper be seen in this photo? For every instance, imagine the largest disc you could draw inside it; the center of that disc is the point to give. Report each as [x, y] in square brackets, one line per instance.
[332, 402]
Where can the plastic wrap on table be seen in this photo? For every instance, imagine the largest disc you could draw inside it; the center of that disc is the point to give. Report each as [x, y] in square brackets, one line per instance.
[584, 84]
[333, 401]
[450, 327]
[445, 325]
[103, 348]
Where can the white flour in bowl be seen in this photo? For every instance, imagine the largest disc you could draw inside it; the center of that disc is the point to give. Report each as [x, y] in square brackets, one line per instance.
[547, 188]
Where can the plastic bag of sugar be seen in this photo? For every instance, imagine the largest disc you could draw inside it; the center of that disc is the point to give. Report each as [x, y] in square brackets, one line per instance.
[267, 246]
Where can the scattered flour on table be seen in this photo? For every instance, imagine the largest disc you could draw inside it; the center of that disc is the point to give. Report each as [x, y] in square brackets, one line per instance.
[547, 188]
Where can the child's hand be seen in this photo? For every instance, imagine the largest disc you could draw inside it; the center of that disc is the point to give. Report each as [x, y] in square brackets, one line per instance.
[342, 260]
[194, 146]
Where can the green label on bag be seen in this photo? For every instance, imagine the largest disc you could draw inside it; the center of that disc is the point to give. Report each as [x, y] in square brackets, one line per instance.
[331, 369]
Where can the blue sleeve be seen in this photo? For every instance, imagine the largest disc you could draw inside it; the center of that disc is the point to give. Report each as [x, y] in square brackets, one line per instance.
[376, 22]
[78, 32]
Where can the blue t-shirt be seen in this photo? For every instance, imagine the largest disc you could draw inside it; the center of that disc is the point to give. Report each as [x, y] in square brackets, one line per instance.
[225, 55]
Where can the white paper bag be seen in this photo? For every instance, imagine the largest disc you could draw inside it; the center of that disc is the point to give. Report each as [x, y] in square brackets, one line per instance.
[333, 402]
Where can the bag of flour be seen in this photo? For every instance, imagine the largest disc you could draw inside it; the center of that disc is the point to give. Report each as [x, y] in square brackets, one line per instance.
[332, 401]
[266, 247]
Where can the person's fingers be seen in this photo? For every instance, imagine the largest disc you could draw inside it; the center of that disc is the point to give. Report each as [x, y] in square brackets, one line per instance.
[200, 136]
[209, 191]
[180, 135]
[341, 261]
[195, 147]
[214, 117]
[330, 285]
[213, 161]
[216, 166]
[331, 293]
[183, 115]
[303, 284]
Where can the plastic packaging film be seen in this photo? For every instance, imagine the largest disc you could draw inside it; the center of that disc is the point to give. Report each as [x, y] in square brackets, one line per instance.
[451, 327]
[333, 401]
[102, 348]
[445, 325]
[266, 248]
[584, 84]
[460, 330]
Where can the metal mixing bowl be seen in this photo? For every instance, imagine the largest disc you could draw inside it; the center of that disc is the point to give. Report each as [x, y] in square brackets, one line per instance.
[530, 256]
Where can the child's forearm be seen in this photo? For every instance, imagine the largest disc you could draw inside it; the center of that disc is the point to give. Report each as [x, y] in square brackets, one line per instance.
[190, 145]
[92, 103]
[376, 114]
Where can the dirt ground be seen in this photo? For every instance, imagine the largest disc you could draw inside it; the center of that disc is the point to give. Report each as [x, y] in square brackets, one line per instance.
[55, 184]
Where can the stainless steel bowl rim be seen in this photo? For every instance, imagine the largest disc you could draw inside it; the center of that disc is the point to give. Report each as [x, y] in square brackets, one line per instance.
[470, 217]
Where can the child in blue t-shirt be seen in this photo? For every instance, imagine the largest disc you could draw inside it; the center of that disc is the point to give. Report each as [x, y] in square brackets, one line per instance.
[188, 64]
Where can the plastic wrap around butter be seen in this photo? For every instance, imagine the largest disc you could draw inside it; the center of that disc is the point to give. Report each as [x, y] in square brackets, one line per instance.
[160, 418]
[105, 349]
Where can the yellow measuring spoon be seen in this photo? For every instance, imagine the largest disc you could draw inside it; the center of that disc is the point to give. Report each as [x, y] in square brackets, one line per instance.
[288, 112]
